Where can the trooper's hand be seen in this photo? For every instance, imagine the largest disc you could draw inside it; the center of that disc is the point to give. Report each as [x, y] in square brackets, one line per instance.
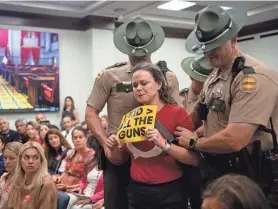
[112, 142]
[200, 131]
[184, 136]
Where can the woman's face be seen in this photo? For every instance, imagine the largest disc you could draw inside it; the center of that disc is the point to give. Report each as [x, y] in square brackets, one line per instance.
[212, 203]
[10, 160]
[79, 140]
[54, 141]
[43, 130]
[145, 89]
[31, 160]
[32, 132]
[68, 102]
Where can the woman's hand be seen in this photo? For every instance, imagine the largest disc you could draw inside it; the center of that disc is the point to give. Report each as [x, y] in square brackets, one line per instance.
[62, 187]
[75, 188]
[99, 204]
[112, 142]
[57, 179]
[153, 135]
[84, 202]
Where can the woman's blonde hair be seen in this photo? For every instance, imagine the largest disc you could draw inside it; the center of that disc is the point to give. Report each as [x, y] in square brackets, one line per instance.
[20, 173]
[34, 124]
[14, 146]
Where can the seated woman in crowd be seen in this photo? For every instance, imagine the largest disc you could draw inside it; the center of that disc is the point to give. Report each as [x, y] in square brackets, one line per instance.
[156, 177]
[2, 165]
[104, 122]
[33, 132]
[234, 192]
[33, 187]
[78, 162]
[44, 127]
[56, 148]
[91, 186]
[11, 157]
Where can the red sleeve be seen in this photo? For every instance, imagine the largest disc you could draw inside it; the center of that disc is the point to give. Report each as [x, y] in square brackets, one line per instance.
[185, 120]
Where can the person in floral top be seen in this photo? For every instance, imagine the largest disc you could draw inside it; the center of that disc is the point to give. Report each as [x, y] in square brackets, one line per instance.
[78, 162]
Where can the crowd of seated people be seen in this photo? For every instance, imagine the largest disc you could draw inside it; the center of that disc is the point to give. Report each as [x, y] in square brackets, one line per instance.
[45, 166]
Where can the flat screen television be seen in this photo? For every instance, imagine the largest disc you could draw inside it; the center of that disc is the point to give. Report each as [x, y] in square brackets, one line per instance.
[29, 71]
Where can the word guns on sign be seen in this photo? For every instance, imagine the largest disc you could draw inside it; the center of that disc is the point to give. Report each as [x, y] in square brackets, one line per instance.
[135, 123]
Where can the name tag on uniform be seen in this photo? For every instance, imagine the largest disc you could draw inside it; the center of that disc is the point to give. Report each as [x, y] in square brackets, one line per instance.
[125, 86]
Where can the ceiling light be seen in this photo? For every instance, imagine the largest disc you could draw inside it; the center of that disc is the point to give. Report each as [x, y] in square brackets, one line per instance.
[226, 8]
[176, 5]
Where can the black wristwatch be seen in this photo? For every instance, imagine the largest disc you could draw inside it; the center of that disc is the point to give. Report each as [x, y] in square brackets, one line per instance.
[192, 144]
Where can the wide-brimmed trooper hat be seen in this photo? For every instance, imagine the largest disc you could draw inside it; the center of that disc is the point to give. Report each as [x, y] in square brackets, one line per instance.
[197, 68]
[139, 37]
[185, 90]
[214, 26]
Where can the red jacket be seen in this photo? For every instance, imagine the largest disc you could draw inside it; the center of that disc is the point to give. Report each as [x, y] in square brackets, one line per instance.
[99, 190]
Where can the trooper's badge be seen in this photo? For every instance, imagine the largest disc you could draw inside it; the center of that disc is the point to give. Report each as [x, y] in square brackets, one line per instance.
[219, 91]
[99, 75]
[249, 84]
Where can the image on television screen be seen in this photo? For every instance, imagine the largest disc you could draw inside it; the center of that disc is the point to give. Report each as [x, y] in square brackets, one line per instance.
[29, 71]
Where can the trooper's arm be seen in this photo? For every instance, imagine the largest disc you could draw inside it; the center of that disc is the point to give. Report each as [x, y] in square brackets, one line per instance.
[95, 103]
[94, 124]
[248, 111]
[233, 138]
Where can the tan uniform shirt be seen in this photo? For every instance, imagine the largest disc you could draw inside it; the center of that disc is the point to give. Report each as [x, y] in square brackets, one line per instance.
[192, 99]
[254, 99]
[121, 102]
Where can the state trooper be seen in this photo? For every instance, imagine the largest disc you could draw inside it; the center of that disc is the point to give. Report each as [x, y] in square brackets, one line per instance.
[239, 101]
[138, 39]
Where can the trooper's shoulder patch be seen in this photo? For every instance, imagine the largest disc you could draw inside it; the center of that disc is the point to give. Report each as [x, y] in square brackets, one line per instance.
[99, 75]
[249, 84]
[119, 64]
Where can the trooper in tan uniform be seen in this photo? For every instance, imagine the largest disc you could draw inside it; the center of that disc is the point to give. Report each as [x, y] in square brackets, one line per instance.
[241, 97]
[198, 69]
[184, 96]
[138, 39]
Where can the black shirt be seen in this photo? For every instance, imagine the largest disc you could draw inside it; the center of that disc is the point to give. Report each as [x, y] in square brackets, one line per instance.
[11, 136]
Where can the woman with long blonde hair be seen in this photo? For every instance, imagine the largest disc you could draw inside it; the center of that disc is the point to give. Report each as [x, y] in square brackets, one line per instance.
[33, 187]
[11, 151]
